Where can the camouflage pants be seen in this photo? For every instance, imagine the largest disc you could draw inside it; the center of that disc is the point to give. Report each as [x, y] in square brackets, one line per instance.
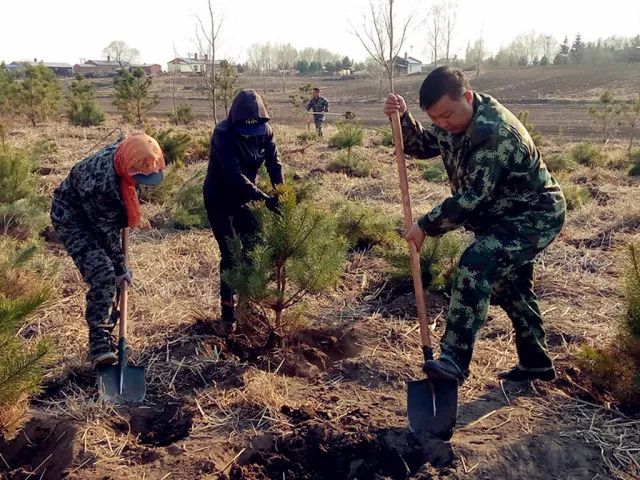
[318, 120]
[497, 268]
[97, 270]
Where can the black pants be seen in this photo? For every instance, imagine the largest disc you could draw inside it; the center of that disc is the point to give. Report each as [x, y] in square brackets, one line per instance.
[226, 224]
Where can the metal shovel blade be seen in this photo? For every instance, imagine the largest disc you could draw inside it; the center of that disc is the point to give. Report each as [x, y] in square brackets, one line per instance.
[122, 384]
[432, 406]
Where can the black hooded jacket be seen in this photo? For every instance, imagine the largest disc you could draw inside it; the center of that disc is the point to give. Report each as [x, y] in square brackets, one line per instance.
[234, 159]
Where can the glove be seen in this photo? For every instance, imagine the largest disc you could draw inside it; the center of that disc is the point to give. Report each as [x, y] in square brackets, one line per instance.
[273, 204]
[125, 277]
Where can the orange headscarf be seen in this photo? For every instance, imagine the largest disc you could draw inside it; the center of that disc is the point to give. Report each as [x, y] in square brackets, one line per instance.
[138, 153]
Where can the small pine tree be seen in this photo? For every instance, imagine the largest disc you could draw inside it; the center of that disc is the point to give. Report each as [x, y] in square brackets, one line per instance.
[199, 148]
[351, 163]
[174, 145]
[133, 96]
[189, 211]
[182, 115]
[386, 136]
[349, 135]
[603, 117]
[81, 104]
[438, 260]
[634, 158]
[299, 102]
[299, 253]
[7, 91]
[587, 154]
[576, 196]
[21, 362]
[536, 136]
[631, 115]
[364, 227]
[226, 84]
[631, 290]
[617, 366]
[38, 96]
[557, 162]
[22, 210]
[434, 171]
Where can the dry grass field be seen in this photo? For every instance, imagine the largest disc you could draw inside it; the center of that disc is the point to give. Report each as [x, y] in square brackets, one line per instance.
[331, 404]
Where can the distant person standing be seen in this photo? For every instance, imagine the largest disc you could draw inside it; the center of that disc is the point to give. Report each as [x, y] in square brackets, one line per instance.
[318, 104]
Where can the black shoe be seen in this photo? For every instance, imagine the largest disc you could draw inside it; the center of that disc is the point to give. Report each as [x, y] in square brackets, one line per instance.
[103, 359]
[519, 374]
[229, 327]
[443, 369]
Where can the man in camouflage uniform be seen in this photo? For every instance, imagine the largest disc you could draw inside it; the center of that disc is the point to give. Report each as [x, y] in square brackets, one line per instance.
[501, 191]
[318, 104]
[88, 214]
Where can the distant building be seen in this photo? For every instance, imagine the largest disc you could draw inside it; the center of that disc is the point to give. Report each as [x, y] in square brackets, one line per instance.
[149, 69]
[189, 65]
[407, 65]
[99, 68]
[59, 69]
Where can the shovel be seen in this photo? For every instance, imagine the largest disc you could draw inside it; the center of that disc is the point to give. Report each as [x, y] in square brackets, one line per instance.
[122, 383]
[347, 115]
[432, 404]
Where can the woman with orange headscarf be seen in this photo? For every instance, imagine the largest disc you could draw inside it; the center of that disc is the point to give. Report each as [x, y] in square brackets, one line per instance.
[90, 207]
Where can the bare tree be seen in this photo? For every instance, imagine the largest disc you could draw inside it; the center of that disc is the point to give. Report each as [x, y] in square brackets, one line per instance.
[434, 31]
[286, 56]
[379, 36]
[449, 15]
[550, 45]
[475, 53]
[119, 51]
[207, 34]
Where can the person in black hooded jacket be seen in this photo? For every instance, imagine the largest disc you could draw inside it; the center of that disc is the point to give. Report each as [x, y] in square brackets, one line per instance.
[240, 144]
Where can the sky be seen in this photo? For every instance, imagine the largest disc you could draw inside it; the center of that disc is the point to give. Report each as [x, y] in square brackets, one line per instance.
[71, 30]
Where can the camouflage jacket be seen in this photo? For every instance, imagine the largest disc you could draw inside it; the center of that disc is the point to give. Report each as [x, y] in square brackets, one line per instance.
[318, 104]
[495, 172]
[90, 198]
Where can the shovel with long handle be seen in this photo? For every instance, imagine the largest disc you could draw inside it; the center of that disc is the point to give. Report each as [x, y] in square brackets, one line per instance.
[348, 115]
[432, 404]
[122, 383]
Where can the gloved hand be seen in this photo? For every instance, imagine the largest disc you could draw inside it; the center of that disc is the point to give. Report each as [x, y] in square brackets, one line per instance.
[273, 204]
[125, 277]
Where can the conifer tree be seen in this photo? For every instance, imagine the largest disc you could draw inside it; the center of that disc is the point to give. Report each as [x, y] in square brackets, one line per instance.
[133, 96]
[226, 84]
[298, 253]
[21, 361]
[81, 105]
[38, 96]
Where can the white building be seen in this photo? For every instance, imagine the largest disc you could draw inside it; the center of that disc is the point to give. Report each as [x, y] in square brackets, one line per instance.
[407, 65]
[188, 65]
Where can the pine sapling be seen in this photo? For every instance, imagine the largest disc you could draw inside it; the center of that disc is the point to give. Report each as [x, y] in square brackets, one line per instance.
[297, 253]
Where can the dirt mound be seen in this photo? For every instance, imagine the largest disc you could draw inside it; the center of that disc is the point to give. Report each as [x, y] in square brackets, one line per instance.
[43, 449]
[160, 426]
[312, 351]
[304, 354]
[317, 451]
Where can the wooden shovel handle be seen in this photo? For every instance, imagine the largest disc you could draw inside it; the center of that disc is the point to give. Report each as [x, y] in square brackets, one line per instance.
[408, 223]
[123, 288]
